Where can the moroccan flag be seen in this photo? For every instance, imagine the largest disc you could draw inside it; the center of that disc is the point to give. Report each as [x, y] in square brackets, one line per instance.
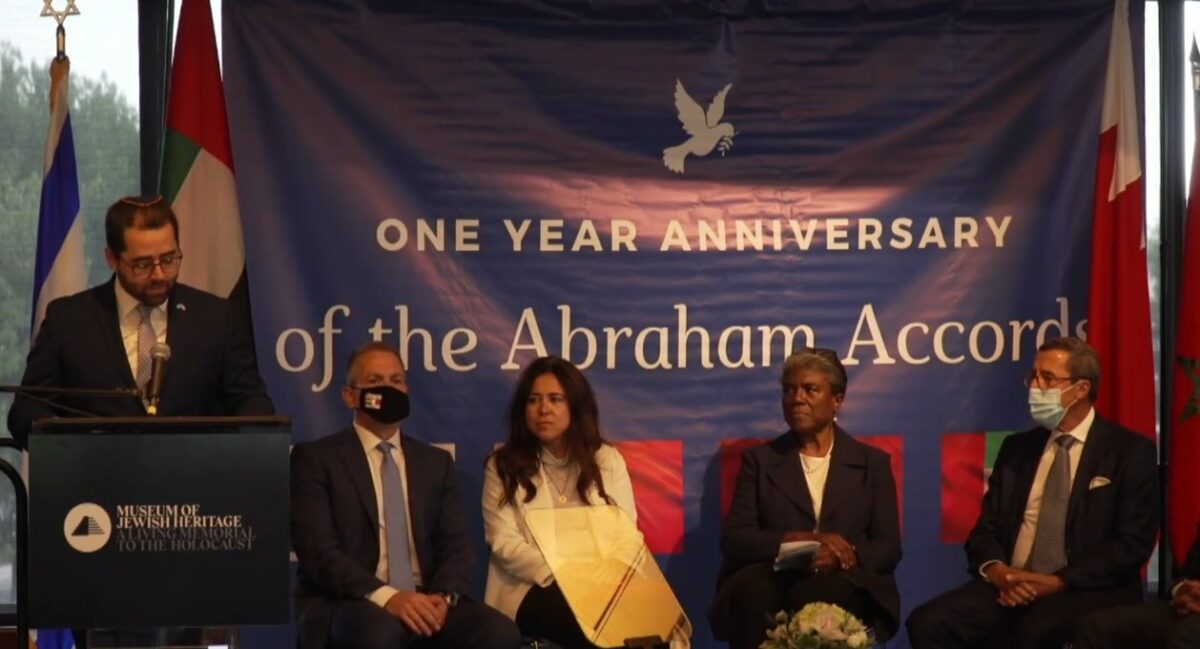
[1183, 480]
[59, 263]
[197, 171]
[1118, 296]
[967, 461]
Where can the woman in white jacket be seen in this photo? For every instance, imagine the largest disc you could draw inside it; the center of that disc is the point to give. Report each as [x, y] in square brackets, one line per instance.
[554, 457]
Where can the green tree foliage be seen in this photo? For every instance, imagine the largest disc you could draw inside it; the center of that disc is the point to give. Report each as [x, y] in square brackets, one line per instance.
[105, 126]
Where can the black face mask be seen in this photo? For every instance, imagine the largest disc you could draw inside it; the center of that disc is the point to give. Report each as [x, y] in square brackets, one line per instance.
[383, 403]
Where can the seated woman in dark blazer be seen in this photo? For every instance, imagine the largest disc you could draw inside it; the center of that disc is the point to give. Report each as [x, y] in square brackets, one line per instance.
[554, 457]
[813, 483]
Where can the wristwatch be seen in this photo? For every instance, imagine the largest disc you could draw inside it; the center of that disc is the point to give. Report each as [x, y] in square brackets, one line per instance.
[451, 599]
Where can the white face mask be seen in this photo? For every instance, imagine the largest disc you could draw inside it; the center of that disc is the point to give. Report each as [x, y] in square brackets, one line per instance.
[1045, 406]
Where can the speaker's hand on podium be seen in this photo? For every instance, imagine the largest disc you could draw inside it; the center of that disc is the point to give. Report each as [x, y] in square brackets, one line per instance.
[422, 614]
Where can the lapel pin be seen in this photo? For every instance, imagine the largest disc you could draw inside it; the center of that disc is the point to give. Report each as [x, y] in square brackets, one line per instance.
[180, 306]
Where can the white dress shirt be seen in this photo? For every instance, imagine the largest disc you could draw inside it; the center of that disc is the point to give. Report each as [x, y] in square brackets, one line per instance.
[131, 320]
[370, 444]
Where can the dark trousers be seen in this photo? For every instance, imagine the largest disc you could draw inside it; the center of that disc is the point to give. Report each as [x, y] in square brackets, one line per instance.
[544, 613]
[750, 597]
[970, 616]
[360, 624]
[1140, 626]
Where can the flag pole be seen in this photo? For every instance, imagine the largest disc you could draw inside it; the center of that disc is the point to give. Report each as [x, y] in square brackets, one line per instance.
[58, 259]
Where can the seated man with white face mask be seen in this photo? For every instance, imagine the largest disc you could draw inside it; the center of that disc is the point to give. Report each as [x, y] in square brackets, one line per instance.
[1068, 519]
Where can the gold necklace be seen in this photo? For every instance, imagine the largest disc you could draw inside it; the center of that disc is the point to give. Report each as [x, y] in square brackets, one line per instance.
[816, 463]
[562, 491]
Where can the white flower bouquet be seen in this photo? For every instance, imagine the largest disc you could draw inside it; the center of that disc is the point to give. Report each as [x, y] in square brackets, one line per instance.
[818, 626]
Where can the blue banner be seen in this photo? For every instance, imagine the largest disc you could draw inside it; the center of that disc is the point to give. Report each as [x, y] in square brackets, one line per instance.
[673, 195]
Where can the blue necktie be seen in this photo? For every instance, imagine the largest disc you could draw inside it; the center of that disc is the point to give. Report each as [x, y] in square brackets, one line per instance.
[395, 523]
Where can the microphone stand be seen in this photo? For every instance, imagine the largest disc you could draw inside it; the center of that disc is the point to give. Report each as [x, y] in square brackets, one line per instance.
[42, 394]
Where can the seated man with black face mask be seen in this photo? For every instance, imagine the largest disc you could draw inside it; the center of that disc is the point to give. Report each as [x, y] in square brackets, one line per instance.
[380, 532]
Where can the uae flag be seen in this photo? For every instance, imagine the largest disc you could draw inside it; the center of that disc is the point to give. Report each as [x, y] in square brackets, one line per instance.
[967, 461]
[1183, 480]
[197, 172]
[1118, 296]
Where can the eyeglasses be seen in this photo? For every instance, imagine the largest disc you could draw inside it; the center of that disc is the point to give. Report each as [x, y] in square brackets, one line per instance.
[142, 268]
[1044, 380]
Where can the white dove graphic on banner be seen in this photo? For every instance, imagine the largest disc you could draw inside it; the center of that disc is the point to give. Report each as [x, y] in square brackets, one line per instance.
[706, 128]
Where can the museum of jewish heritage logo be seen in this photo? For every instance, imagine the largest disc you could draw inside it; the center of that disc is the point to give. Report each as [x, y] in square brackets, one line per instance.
[158, 527]
[87, 527]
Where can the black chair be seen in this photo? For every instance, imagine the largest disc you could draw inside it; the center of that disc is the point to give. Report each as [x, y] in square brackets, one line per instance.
[18, 615]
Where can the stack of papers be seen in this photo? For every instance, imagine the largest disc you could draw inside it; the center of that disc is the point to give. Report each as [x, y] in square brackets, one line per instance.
[796, 554]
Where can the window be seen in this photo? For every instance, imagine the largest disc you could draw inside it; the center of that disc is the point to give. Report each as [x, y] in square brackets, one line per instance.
[102, 46]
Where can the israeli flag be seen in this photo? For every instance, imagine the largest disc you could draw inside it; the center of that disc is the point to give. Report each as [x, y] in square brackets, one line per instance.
[59, 269]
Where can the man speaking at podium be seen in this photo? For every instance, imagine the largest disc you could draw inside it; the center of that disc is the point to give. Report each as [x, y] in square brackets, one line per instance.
[108, 337]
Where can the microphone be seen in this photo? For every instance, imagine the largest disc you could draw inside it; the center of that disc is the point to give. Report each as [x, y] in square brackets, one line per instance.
[159, 354]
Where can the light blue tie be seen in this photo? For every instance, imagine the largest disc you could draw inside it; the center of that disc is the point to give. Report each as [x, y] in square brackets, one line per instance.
[395, 523]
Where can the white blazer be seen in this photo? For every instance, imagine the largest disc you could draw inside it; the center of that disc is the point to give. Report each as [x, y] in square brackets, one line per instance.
[516, 563]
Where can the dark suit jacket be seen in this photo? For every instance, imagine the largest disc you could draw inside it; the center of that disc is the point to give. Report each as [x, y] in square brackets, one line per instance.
[335, 525]
[1110, 528]
[772, 498]
[211, 371]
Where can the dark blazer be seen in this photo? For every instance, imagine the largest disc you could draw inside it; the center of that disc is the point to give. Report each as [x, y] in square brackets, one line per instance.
[1111, 526]
[335, 525]
[212, 370]
[772, 498]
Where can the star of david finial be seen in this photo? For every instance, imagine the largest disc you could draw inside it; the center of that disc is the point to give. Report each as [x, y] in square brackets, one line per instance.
[49, 10]
[60, 16]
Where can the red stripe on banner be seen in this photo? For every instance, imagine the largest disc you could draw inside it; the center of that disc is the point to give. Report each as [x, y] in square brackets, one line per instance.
[893, 445]
[196, 105]
[962, 483]
[730, 457]
[656, 470]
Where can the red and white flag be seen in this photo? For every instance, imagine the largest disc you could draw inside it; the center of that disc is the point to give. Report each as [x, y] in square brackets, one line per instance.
[1119, 295]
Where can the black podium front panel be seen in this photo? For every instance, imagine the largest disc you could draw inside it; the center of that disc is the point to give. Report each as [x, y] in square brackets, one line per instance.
[177, 527]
